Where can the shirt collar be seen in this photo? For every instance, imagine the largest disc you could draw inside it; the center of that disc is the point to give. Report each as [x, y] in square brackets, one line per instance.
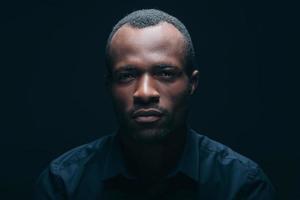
[188, 163]
[114, 163]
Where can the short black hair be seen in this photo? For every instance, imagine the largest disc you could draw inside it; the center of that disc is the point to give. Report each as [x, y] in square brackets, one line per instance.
[151, 17]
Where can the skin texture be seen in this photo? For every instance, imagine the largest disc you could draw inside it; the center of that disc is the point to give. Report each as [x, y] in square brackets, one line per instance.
[150, 92]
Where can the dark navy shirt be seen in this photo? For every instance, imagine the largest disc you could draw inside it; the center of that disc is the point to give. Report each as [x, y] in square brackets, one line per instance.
[206, 170]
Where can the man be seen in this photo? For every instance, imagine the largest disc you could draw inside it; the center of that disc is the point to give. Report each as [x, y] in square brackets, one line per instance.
[153, 154]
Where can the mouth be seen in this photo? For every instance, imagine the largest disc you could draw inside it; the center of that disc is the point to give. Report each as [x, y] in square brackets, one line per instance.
[145, 116]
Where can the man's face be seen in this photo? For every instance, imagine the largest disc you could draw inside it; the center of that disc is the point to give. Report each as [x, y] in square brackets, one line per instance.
[149, 86]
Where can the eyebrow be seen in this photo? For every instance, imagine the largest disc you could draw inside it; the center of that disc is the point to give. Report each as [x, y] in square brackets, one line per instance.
[131, 68]
[166, 66]
[125, 68]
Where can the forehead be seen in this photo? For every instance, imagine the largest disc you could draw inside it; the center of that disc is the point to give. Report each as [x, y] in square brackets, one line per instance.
[162, 41]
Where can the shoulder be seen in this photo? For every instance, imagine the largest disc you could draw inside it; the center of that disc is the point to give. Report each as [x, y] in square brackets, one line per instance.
[63, 174]
[81, 155]
[220, 153]
[231, 173]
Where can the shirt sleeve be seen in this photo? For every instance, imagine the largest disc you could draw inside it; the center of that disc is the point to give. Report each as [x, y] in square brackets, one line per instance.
[49, 187]
[257, 187]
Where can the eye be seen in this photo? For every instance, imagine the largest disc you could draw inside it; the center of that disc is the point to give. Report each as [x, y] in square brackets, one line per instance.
[166, 74]
[125, 77]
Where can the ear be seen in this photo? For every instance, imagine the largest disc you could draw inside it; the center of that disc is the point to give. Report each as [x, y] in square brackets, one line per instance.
[107, 82]
[194, 79]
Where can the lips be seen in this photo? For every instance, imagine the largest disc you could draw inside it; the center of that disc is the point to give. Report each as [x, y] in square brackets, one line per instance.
[147, 115]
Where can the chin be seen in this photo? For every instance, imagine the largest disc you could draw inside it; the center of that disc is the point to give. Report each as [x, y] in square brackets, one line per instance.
[151, 135]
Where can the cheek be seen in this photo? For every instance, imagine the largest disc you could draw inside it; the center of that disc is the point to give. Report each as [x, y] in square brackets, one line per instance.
[176, 95]
[121, 97]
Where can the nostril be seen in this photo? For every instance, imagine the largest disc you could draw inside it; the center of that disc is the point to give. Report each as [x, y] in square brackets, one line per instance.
[138, 100]
[149, 95]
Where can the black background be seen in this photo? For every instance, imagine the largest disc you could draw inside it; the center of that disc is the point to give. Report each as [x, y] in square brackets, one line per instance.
[54, 96]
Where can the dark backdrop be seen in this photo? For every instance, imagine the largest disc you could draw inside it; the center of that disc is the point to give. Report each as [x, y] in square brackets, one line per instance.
[54, 97]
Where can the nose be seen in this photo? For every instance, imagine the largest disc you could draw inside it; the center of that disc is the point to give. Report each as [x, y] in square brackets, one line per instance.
[145, 92]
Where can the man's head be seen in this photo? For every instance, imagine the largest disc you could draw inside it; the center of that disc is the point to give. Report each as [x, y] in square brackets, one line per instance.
[145, 18]
[150, 60]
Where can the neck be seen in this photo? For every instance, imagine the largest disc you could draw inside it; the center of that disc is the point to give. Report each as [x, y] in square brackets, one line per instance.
[153, 161]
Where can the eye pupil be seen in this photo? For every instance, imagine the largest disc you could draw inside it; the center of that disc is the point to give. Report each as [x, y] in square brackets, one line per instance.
[166, 74]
